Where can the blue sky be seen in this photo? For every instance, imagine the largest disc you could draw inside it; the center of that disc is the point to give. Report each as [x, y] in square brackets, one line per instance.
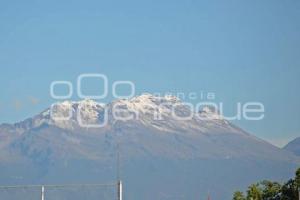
[240, 50]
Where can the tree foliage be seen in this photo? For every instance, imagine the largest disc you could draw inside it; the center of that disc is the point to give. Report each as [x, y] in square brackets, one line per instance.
[269, 190]
[254, 192]
[297, 178]
[238, 195]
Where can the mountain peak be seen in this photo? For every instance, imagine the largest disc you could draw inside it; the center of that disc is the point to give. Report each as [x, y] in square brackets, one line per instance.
[58, 147]
[147, 97]
[167, 113]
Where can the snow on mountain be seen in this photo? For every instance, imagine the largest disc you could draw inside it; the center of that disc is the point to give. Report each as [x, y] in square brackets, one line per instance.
[166, 113]
[163, 143]
[145, 120]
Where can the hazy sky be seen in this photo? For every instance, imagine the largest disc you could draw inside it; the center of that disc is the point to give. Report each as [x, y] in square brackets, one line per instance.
[240, 50]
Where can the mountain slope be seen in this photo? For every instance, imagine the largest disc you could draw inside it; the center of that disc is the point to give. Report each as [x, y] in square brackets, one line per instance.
[293, 146]
[162, 156]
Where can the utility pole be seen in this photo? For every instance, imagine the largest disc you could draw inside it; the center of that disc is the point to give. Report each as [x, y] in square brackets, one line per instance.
[43, 193]
[120, 190]
[118, 162]
[119, 182]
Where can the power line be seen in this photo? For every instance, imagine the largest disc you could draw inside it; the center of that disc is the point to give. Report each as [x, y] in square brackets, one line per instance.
[55, 186]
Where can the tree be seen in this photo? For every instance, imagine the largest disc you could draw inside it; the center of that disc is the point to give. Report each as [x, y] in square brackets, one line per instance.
[297, 178]
[289, 191]
[270, 190]
[238, 196]
[254, 192]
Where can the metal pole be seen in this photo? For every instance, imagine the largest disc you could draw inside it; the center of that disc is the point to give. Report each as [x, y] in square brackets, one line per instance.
[43, 193]
[119, 183]
[118, 162]
[120, 190]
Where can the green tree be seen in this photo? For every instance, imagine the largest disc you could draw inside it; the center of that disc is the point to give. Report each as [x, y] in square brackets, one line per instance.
[289, 191]
[297, 178]
[238, 196]
[270, 190]
[254, 192]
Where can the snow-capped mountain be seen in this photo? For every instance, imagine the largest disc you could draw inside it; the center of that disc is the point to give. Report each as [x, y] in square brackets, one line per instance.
[166, 113]
[165, 146]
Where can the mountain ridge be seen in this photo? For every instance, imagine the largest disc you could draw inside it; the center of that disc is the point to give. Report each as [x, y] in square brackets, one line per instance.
[293, 146]
[210, 147]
